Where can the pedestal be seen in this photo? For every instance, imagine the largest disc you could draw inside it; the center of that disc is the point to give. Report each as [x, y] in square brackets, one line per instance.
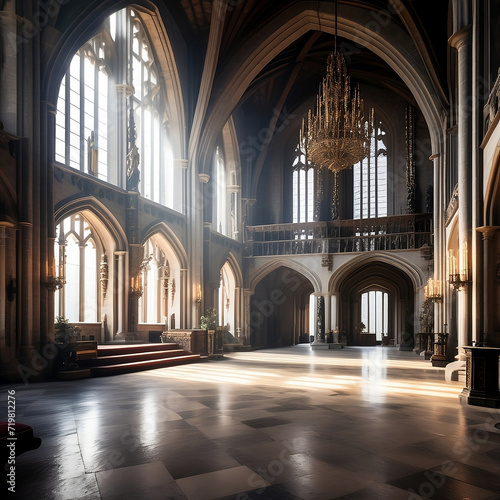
[481, 377]
[439, 357]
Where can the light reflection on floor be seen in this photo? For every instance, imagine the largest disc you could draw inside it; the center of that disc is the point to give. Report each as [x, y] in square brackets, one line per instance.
[370, 372]
[358, 423]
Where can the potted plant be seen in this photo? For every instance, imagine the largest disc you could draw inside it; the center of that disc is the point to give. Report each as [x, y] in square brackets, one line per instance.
[64, 331]
[209, 321]
[65, 336]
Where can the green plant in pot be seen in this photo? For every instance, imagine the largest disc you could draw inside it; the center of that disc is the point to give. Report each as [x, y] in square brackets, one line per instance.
[64, 331]
[64, 335]
[209, 321]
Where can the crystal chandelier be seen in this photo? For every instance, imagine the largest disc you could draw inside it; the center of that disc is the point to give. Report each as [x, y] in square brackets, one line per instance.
[337, 135]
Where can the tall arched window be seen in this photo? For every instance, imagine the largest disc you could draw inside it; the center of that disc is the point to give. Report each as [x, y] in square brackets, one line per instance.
[303, 187]
[153, 304]
[77, 249]
[223, 219]
[161, 278]
[227, 297]
[370, 179]
[375, 312]
[110, 74]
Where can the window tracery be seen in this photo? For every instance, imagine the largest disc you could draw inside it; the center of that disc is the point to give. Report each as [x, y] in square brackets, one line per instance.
[113, 79]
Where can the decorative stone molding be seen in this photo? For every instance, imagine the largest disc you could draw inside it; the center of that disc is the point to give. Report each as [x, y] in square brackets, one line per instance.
[452, 206]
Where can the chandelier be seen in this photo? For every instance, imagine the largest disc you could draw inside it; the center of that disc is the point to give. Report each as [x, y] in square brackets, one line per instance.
[337, 134]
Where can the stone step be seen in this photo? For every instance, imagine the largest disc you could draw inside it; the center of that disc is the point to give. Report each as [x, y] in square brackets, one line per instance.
[129, 367]
[118, 359]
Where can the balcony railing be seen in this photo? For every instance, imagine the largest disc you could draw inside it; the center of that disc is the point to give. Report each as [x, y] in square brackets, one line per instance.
[399, 232]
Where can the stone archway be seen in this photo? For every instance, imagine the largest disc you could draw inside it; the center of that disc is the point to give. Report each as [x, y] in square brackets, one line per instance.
[279, 309]
[378, 276]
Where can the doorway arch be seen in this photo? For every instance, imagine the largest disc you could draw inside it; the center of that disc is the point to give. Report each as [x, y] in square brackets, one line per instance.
[398, 311]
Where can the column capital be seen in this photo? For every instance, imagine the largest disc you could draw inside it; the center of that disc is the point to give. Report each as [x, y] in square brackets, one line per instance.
[204, 178]
[488, 232]
[181, 163]
[461, 37]
[123, 88]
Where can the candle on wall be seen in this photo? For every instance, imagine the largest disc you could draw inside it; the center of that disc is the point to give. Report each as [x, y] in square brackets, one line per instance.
[465, 264]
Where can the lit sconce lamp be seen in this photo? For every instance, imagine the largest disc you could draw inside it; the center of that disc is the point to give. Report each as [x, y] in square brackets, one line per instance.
[458, 279]
[56, 282]
[198, 295]
[432, 291]
[136, 286]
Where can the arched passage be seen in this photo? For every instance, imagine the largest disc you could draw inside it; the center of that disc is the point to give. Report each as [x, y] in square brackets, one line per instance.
[279, 309]
[395, 311]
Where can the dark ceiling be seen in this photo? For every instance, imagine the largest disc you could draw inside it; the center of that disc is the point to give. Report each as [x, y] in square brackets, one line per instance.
[293, 76]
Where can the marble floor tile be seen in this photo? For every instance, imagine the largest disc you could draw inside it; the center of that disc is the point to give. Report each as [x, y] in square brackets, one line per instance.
[215, 485]
[358, 423]
[149, 481]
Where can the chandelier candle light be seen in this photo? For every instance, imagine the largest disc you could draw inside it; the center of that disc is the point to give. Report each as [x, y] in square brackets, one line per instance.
[337, 135]
[459, 279]
[432, 291]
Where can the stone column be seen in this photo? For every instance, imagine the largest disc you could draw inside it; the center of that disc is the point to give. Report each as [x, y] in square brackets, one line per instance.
[3, 289]
[462, 42]
[183, 297]
[334, 313]
[328, 314]
[121, 309]
[237, 312]
[25, 299]
[247, 294]
[180, 175]
[489, 278]
[319, 334]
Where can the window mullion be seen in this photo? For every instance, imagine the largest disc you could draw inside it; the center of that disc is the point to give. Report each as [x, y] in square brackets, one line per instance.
[82, 110]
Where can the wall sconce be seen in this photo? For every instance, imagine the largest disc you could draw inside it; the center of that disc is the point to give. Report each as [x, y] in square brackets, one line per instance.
[55, 283]
[136, 286]
[103, 274]
[198, 295]
[432, 291]
[458, 279]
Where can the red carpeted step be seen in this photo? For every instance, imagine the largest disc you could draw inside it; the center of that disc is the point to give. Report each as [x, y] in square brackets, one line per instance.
[97, 371]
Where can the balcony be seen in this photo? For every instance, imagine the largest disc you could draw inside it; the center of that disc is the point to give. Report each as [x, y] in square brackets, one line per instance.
[398, 232]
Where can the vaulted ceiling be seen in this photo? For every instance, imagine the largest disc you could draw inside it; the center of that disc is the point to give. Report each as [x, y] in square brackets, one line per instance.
[298, 69]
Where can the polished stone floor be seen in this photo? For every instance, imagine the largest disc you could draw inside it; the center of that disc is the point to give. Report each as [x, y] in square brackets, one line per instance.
[358, 423]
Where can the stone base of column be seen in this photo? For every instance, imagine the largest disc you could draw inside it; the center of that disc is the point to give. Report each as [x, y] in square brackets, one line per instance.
[438, 360]
[126, 337]
[480, 398]
[319, 344]
[335, 345]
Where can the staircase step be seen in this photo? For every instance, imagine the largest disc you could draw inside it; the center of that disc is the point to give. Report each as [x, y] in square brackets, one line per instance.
[116, 350]
[119, 359]
[98, 371]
